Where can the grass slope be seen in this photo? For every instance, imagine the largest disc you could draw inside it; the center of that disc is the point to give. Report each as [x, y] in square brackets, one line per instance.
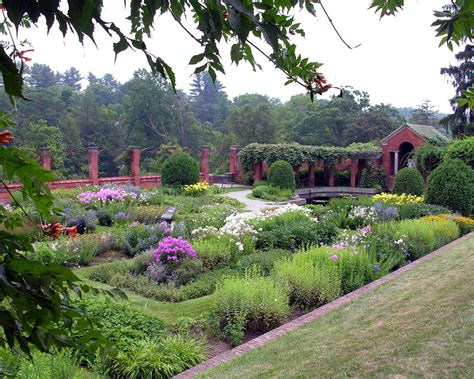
[421, 324]
[165, 311]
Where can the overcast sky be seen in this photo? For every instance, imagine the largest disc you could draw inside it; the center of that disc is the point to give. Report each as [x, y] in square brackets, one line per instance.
[398, 61]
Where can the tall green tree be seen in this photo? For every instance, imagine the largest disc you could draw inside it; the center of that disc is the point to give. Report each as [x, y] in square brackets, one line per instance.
[461, 121]
[424, 114]
[253, 123]
[209, 100]
[72, 78]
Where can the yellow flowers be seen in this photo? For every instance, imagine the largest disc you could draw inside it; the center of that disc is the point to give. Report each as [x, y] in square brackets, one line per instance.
[196, 189]
[465, 224]
[390, 198]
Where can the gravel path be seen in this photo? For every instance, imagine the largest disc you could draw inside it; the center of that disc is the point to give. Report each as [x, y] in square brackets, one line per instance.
[250, 204]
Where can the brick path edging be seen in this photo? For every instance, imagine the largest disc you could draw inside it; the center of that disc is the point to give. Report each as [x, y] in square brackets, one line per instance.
[318, 312]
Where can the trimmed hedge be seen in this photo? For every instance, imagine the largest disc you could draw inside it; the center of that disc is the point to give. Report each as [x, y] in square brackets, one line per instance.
[281, 175]
[451, 185]
[409, 181]
[180, 169]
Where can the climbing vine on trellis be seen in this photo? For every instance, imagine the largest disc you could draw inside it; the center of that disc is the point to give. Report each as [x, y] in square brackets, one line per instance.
[296, 154]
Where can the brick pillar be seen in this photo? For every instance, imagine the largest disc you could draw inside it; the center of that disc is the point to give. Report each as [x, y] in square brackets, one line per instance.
[296, 170]
[135, 164]
[172, 150]
[354, 172]
[93, 159]
[45, 157]
[312, 174]
[234, 166]
[332, 169]
[204, 164]
[258, 172]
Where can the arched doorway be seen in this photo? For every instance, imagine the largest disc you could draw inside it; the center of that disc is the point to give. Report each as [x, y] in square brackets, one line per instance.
[406, 152]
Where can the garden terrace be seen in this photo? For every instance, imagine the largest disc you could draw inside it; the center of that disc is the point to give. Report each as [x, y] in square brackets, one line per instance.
[219, 277]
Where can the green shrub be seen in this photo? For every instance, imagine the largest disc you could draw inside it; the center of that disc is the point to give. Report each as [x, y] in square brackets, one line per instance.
[272, 193]
[120, 323]
[180, 169]
[157, 359]
[426, 235]
[293, 231]
[68, 251]
[263, 261]
[417, 210]
[104, 217]
[462, 149]
[373, 176]
[150, 214]
[451, 185]
[428, 157]
[136, 239]
[255, 300]
[355, 269]
[215, 251]
[409, 181]
[130, 275]
[281, 175]
[62, 364]
[310, 279]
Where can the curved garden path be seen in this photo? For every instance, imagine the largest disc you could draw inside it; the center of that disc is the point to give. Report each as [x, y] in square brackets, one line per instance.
[252, 205]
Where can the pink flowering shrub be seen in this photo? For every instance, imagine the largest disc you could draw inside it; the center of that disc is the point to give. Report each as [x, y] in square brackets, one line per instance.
[174, 250]
[106, 196]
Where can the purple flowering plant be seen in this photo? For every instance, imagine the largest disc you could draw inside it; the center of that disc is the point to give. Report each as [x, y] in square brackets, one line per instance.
[106, 196]
[174, 250]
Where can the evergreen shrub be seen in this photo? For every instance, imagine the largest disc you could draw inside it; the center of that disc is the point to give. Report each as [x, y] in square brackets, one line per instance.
[451, 185]
[281, 175]
[408, 181]
[180, 169]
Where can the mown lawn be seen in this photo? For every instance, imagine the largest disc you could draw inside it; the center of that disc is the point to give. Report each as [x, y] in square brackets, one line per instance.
[419, 325]
[165, 311]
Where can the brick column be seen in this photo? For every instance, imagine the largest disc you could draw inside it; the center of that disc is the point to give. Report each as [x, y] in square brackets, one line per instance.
[354, 172]
[312, 174]
[234, 166]
[332, 169]
[258, 172]
[296, 170]
[135, 164]
[93, 159]
[45, 157]
[204, 163]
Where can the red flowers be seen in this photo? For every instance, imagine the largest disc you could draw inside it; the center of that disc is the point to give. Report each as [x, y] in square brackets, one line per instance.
[6, 137]
[22, 53]
[55, 229]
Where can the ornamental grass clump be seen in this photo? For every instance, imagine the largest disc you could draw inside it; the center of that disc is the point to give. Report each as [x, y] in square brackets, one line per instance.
[311, 278]
[162, 358]
[427, 234]
[251, 302]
